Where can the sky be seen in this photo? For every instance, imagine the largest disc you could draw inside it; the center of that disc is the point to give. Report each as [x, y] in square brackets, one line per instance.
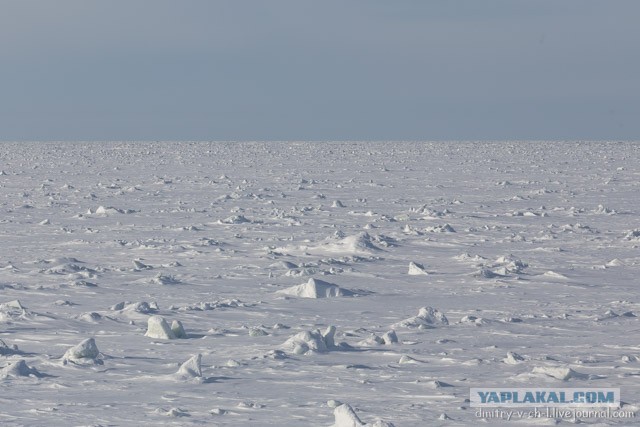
[319, 70]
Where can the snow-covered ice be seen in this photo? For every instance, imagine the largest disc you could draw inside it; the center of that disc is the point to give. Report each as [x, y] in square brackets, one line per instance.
[334, 283]
[84, 353]
[316, 288]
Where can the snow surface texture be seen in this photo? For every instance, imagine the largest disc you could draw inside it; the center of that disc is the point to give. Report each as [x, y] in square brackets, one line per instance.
[469, 265]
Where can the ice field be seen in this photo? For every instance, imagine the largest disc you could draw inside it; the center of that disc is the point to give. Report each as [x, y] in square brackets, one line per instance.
[285, 281]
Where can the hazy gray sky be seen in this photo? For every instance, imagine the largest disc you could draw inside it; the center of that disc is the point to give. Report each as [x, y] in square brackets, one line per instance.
[301, 69]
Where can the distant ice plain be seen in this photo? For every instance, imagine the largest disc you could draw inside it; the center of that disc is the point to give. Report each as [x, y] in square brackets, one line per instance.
[526, 247]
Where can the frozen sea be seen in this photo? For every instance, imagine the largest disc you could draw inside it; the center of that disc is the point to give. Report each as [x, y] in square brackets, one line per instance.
[387, 276]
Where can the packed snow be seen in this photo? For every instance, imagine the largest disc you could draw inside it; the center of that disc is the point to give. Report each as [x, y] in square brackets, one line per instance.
[335, 283]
